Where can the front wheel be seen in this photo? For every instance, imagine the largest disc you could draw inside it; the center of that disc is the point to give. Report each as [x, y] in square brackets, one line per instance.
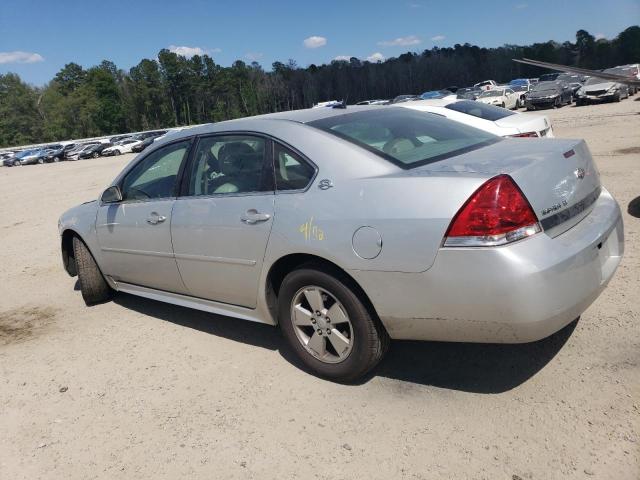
[95, 154]
[93, 286]
[16, 163]
[328, 325]
[117, 152]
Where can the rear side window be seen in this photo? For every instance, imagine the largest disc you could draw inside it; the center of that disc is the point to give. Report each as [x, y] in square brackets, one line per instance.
[406, 137]
[480, 110]
[292, 172]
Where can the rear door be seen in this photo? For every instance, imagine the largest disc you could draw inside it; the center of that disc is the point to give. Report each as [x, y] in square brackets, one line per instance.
[135, 234]
[221, 224]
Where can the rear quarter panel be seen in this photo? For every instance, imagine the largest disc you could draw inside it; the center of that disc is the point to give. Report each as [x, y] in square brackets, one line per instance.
[410, 212]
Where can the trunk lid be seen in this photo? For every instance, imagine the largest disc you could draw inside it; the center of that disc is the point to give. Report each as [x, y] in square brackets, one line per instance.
[558, 177]
[525, 123]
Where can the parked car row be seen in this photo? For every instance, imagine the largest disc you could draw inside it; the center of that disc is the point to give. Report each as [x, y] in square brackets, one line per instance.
[551, 90]
[78, 151]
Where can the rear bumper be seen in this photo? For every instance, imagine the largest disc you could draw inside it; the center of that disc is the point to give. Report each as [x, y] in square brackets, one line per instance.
[513, 294]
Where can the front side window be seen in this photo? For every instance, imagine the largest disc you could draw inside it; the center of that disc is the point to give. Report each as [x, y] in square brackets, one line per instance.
[155, 176]
[292, 172]
[406, 137]
[230, 164]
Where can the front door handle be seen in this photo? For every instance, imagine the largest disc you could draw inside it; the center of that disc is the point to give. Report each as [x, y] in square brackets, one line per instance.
[155, 219]
[253, 216]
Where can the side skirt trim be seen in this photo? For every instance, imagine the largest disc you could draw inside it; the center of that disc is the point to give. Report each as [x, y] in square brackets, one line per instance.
[191, 302]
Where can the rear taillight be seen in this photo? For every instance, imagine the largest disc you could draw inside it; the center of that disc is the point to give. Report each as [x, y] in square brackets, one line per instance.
[497, 213]
[525, 135]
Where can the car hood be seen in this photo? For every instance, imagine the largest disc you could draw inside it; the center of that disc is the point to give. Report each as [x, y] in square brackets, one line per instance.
[489, 99]
[543, 93]
[599, 86]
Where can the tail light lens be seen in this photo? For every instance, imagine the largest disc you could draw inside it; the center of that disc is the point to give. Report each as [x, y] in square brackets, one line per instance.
[525, 135]
[496, 214]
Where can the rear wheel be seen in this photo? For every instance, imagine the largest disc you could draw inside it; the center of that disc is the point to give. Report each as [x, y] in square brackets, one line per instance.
[328, 325]
[93, 286]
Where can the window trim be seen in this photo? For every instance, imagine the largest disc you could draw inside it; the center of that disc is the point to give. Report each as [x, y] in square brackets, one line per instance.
[133, 165]
[302, 157]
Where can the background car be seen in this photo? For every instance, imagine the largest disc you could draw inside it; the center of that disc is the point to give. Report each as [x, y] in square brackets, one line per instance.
[124, 146]
[598, 90]
[501, 97]
[32, 157]
[486, 84]
[521, 91]
[74, 154]
[404, 98]
[548, 95]
[468, 93]
[496, 120]
[93, 151]
[56, 153]
[631, 70]
[437, 94]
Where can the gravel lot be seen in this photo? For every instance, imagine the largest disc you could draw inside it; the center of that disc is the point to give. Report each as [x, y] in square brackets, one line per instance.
[137, 389]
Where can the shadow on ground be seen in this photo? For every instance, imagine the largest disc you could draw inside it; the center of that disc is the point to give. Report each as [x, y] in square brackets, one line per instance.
[633, 208]
[479, 368]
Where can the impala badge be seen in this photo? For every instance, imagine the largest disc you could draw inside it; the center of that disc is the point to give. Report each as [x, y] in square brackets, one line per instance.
[579, 173]
[325, 184]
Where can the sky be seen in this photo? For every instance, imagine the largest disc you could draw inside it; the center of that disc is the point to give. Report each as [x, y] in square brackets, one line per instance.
[38, 37]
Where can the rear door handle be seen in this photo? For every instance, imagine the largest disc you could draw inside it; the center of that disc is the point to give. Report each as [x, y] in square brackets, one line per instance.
[155, 219]
[253, 216]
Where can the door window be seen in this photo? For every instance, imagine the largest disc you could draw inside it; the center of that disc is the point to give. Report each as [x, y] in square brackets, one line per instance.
[155, 176]
[230, 164]
[292, 172]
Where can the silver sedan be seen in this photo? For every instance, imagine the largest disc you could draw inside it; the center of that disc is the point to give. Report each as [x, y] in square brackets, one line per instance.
[348, 227]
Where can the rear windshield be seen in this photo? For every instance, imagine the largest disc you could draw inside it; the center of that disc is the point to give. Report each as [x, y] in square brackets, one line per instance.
[480, 110]
[406, 137]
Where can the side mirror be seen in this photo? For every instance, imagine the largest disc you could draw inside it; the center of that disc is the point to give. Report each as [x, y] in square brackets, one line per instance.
[111, 195]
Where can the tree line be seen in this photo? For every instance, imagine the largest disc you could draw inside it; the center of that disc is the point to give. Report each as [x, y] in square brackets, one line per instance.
[173, 90]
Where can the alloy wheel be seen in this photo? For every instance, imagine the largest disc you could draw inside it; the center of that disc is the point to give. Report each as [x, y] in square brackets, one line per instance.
[321, 324]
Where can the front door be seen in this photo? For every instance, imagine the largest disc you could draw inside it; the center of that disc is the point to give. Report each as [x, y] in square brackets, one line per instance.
[221, 227]
[135, 234]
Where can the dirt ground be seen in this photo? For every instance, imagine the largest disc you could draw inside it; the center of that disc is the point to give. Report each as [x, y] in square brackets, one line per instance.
[134, 389]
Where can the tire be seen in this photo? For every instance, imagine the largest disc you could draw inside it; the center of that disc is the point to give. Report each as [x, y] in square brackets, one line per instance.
[617, 98]
[117, 152]
[56, 159]
[17, 163]
[579, 103]
[93, 286]
[502, 105]
[570, 100]
[41, 161]
[557, 103]
[95, 154]
[368, 341]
